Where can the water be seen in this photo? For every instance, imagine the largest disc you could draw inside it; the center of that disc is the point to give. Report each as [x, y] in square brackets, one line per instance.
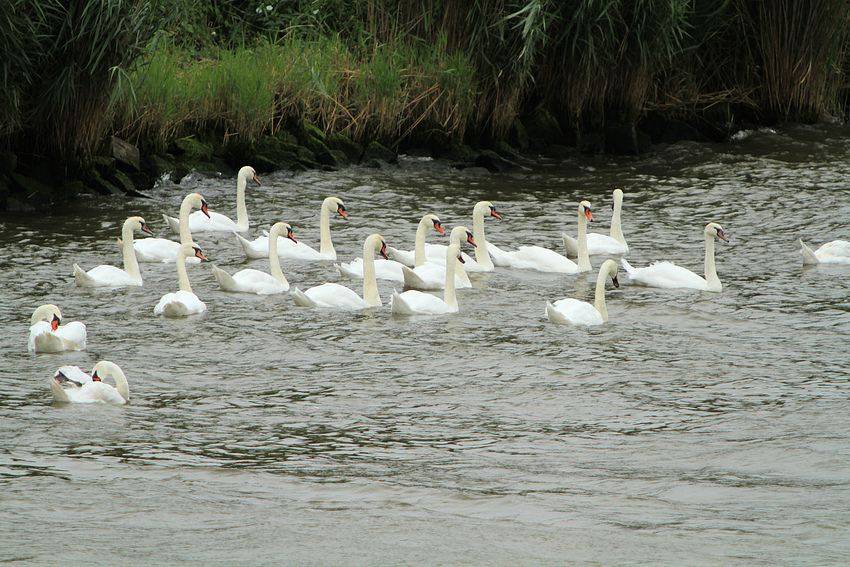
[694, 429]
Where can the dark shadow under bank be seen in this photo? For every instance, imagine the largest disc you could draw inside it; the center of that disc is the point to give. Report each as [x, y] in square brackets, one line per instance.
[34, 184]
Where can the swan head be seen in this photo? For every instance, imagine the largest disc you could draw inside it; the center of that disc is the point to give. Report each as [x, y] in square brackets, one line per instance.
[453, 251]
[47, 312]
[618, 198]
[105, 369]
[375, 243]
[585, 209]
[461, 233]
[282, 228]
[431, 220]
[609, 267]
[486, 208]
[191, 249]
[247, 173]
[714, 230]
[138, 223]
[335, 205]
[196, 201]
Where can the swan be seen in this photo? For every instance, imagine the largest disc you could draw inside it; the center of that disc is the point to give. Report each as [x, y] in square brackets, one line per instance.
[416, 257]
[256, 281]
[835, 252]
[414, 302]
[338, 296]
[483, 262]
[47, 334]
[199, 221]
[182, 302]
[151, 250]
[70, 384]
[432, 275]
[613, 245]
[259, 247]
[575, 312]
[110, 276]
[392, 269]
[545, 260]
[669, 275]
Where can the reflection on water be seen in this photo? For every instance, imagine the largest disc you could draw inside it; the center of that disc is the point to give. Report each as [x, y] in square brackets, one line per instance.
[694, 429]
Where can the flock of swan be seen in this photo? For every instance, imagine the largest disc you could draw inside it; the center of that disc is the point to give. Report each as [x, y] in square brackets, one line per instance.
[428, 267]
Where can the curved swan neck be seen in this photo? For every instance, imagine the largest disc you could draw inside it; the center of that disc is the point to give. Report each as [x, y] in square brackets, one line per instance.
[599, 298]
[326, 246]
[449, 296]
[111, 369]
[131, 265]
[616, 228]
[419, 243]
[482, 255]
[182, 275]
[45, 313]
[274, 259]
[710, 271]
[370, 282]
[241, 207]
[583, 256]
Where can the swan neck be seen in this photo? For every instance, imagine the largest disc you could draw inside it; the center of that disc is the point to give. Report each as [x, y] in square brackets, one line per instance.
[616, 228]
[370, 282]
[241, 207]
[450, 296]
[274, 259]
[599, 299]
[583, 256]
[121, 383]
[419, 243]
[182, 275]
[482, 255]
[710, 271]
[131, 265]
[326, 246]
[183, 228]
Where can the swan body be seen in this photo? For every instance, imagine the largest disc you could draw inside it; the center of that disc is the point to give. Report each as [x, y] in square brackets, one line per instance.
[432, 275]
[416, 257]
[111, 276]
[155, 250]
[545, 260]
[610, 245]
[259, 247]
[575, 312]
[835, 252]
[47, 334]
[670, 276]
[336, 296]
[250, 280]
[199, 221]
[182, 302]
[72, 385]
[414, 302]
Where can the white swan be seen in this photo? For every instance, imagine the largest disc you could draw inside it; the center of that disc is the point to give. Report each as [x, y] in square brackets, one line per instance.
[182, 302]
[416, 257]
[338, 296]
[668, 275]
[110, 276]
[483, 262]
[414, 302]
[154, 250]
[47, 334]
[250, 280]
[575, 312]
[545, 260]
[835, 252]
[259, 247]
[432, 275]
[392, 269]
[70, 384]
[217, 222]
[613, 245]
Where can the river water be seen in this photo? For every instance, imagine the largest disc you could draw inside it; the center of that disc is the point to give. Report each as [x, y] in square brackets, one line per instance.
[695, 428]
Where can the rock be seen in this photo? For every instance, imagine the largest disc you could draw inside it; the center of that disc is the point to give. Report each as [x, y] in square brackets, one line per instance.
[125, 153]
[494, 162]
[103, 186]
[377, 151]
[352, 150]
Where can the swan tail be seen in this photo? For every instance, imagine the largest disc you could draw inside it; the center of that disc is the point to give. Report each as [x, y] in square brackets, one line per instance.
[628, 267]
[82, 278]
[345, 271]
[398, 305]
[249, 248]
[58, 391]
[225, 280]
[809, 257]
[172, 223]
[553, 314]
[570, 244]
[400, 256]
[301, 299]
[413, 281]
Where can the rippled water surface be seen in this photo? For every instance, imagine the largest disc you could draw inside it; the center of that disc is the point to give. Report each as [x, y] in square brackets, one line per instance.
[694, 429]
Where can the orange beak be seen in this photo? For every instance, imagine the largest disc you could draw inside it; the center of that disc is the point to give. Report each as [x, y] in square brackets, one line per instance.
[469, 239]
[494, 213]
[341, 211]
[256, 179]
[588, 214]
[439, 227]
[291, 236]
[54, 324]
[199, 254]
[146, 230]
[384, 251]
[204, 209]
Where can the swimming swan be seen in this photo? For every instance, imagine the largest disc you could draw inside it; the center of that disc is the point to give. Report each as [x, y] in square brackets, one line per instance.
[338, 296]
[182, 302]
[250, 280]
[668, 275]
[432, 275]
[613, 245]
[47, 334]
[70, 384]
[392, 269]
[152, 250]
[217, 222]
[575, 312]
[483, 262]
[259, 247]
[110, 276]
[413, 302]
[835, 252]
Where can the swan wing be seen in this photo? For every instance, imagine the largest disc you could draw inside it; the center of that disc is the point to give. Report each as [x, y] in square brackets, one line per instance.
[179, 304]
[330, 295]
[104, 276]
[413, 302]
[384, 269]
[67, 337]
[406, 257]
[159, 250]
[431, 276]
[597, 244]
[216, 222]
[574, 312]
[835, 252]
[542, 260]
[250, 280]
[665, 275]
[257, 248]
